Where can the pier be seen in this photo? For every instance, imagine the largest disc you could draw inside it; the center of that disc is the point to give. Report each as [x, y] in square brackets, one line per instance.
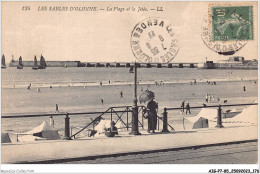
[141, 65]
[108, 64]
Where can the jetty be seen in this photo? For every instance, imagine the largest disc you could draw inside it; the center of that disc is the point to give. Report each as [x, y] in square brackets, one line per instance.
[141, 65]
[107, 64]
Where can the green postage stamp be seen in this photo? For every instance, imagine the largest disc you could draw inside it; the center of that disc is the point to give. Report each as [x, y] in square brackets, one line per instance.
[232, 23]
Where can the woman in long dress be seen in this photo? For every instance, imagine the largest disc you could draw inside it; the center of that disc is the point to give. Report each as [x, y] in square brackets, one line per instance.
[152, 108]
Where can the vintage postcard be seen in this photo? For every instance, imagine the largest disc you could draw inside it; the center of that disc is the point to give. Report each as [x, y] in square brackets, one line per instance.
[91, 82]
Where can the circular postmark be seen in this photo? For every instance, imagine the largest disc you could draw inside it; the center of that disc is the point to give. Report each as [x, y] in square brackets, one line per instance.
[222, 44]
[154, 40]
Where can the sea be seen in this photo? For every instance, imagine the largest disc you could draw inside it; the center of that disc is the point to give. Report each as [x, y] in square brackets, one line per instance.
[80, 89]
[78, 76]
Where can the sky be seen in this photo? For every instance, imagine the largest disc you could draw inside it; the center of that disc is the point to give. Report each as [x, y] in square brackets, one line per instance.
[103, 36]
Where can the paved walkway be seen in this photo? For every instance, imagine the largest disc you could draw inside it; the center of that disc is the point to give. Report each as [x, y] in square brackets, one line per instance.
[55, 150]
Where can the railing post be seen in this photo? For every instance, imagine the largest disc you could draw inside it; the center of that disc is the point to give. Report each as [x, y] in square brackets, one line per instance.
[67, 128]
[127, 118]
[165, 121]
[111, 115]
[142, 117]
[158, 121]
[219, 119]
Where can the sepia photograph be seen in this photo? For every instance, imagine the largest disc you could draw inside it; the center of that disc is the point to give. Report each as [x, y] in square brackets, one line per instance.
[129, 82]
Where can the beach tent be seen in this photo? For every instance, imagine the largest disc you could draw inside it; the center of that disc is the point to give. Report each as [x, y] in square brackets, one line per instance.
[5, 138]
[210, 114]
[203, 118]
[201, 123]
[44, 131]
[248, 115]
[230, 113]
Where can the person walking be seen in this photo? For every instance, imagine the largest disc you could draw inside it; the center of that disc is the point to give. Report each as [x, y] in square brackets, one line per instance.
[102, 101]
[183, 106]
[57, 108]
[152, 108]
[207, 98]
[188, 108]
[244, 88]
[29, 87]
[121, 94]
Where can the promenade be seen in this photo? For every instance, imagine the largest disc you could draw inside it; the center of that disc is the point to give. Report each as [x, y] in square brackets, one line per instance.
[57, 151]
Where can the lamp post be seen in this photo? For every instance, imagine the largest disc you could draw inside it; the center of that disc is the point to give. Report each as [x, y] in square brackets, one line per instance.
[135, 130]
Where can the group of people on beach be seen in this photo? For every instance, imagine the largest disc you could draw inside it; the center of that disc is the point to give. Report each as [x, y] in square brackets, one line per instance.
[159, 83]
[210, 98]
[29, 87]
[187, 107]
[101, 83]
[212, 83]
[194, 82]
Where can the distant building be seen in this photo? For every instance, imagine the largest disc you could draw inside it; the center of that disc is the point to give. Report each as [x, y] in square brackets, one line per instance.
[235, 62]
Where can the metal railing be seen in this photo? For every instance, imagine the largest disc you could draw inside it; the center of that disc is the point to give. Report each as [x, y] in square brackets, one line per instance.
[116, 113]
[219, 116]
[120, 112]
[213, 106]
[113, 110]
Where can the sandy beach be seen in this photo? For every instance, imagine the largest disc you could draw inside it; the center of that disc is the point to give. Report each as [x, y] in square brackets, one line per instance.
[88, 99]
